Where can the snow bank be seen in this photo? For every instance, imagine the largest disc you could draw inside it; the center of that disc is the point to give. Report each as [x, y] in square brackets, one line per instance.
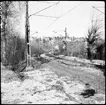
[43, 87]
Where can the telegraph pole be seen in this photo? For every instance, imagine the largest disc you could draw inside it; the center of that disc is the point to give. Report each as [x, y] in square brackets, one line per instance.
[66, 41]
[65, 33]
[27, 30]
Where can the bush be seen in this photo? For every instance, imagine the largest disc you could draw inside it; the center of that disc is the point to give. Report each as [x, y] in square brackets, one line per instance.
[77, 48]
[100, 52]
[38, 47]
[36, 50]
[15, 51]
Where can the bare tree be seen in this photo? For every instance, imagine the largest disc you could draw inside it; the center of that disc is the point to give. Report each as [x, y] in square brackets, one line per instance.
[9, 35]
[5, 13]
[93, 35]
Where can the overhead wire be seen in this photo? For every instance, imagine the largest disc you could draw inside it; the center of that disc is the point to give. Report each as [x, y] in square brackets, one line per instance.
[34, 32]
[43, 9]
[98, 10]
[61, 10]
[64, 14]
[49, 16]
[56, 8]
[99, 14]
[46, 16]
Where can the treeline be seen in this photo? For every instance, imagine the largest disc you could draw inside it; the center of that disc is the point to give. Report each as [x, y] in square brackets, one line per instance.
[78, 48]
[90, 47]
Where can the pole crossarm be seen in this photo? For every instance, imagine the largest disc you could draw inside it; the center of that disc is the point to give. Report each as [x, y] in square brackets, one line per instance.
[43, 9]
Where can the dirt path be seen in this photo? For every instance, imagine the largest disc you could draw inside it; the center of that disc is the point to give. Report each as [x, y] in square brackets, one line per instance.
[83, 74]
[53, 83]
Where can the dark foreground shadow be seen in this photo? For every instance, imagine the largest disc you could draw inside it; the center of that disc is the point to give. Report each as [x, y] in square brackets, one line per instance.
[101, 67]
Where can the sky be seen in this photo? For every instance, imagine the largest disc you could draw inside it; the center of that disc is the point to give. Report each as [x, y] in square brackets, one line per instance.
[77, 21]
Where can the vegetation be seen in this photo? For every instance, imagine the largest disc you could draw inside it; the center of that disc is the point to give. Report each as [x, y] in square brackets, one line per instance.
[13, 45]
[77, 48]
[36, 49]
[95, 47]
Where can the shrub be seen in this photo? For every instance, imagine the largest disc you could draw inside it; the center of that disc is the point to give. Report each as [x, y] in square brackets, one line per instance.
[15, 51]
[100, 52]
[36, 49]
[76, 48]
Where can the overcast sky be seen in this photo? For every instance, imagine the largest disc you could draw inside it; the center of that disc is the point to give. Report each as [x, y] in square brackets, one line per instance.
[77, 21]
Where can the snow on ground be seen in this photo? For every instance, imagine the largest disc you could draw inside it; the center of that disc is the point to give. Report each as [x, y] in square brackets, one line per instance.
[43, 86]
[89, 70]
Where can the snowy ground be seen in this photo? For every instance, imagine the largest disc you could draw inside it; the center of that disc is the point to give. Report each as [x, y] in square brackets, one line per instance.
[43, 86]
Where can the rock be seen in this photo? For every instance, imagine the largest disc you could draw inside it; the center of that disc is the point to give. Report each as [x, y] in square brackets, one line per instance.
[88, 91]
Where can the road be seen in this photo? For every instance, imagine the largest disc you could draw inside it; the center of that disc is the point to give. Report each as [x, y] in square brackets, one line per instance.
[75, 71]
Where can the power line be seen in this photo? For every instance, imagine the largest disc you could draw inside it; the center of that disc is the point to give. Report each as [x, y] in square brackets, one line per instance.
[34, 33]
[64, 14]
[98, 10]
[61, 10]
[46, 16]
[44, 8]
[99, 7]
[71, 9]
[56, 8]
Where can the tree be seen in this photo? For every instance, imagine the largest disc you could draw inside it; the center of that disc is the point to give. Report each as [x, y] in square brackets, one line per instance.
[93, 35]
[15, 52]
[5, 13]
[13, 46]
[9, 15]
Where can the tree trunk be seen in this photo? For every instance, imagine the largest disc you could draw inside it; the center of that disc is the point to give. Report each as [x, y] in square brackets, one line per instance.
[4, 34]
[88, 53]
[4, 42]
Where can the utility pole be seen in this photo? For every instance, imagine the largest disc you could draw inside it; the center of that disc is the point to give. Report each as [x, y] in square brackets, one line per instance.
[66, 41]
[27, 30]
[65, 33]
